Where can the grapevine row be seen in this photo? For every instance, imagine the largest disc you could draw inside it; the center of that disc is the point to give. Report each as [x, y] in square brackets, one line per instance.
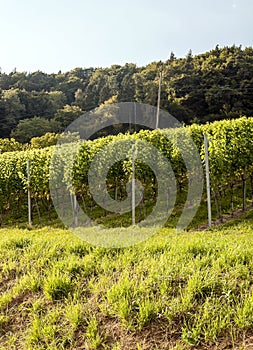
[230, 152]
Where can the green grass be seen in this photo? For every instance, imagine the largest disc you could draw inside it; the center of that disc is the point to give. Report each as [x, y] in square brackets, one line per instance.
[174, 291]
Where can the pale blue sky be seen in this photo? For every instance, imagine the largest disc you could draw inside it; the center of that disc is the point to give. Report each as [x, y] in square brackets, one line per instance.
[53, 35]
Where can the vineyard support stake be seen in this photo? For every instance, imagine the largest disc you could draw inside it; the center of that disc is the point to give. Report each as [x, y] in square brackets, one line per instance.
[208, 188]
[29, 194]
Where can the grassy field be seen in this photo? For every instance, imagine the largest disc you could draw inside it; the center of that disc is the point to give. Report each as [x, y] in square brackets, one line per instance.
[175, 291]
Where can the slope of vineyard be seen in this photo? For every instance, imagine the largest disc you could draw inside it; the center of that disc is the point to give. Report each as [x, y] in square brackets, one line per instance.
[175, 291]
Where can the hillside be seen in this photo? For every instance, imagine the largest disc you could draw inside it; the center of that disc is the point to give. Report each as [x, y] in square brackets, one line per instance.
[175, 291]
[210, 86]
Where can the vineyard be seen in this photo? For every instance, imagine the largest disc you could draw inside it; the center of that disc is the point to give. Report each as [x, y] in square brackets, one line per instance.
[230, 157]
[174, 291]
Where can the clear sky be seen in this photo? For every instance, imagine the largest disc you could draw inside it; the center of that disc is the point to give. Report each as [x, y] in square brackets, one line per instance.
[53, 35]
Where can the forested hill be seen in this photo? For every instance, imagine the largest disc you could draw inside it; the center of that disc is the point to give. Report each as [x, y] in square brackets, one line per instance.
[214, 85]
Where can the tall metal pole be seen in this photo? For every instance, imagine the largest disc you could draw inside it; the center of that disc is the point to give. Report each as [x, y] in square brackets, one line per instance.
[29, 194]
[208, 187]
[133, 172]
[158, 98]
[133, 185]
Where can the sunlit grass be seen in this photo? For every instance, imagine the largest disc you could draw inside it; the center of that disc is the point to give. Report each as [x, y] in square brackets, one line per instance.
[182, 289]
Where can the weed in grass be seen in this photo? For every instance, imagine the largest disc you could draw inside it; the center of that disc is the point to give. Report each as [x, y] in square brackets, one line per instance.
[147, 313]
[116, 346]
[244, 313]
[18, 243]
[58, 286]
[32, 281]
[3, 320]
[38, 308]
[49, 331]
[208, 323]
[75, 314]
[80, 249]
[35, 335]
[11, 342]
[92, 334]
[121, 300]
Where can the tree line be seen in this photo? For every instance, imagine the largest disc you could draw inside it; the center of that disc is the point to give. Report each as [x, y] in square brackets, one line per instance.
[211, 86]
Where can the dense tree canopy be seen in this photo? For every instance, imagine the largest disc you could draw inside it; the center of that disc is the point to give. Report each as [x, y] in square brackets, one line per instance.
[214, 85]
[33, 127]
